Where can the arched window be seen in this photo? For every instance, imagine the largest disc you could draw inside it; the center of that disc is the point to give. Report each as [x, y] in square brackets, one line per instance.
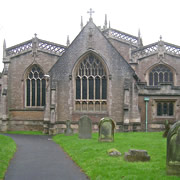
[35, 87]
[91, 85]
[160, 74]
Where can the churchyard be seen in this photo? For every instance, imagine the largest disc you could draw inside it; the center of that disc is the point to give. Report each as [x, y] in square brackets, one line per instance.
[107, 155]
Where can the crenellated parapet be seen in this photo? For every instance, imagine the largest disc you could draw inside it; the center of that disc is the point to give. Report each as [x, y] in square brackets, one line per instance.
[159, 48]
[121, 36]
[41, 45]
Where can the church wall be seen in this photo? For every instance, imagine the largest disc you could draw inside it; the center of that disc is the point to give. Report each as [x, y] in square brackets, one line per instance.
[117, 70]
[21, 116]
[148, 62]
[123, 48]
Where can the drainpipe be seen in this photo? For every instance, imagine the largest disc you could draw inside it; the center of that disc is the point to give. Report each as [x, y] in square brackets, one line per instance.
[146, 99]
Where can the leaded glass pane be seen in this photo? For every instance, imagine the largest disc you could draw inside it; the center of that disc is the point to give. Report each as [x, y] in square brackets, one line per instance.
[38, 92]
[43, 92]
[151, 79]
[97, 81]
[171, 108]
[84, 90]
[104, 88]
[160, 77]
[78, 88]
[159, 109]
[28, 92]
[91, 88]
[165, 109]
[155, 78]
[166, 76]
[33, 92]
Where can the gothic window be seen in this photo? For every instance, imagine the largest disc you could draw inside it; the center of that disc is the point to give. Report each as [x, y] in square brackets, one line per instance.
[165, 108]
[91, 85]
[35, 87]
[160, 74]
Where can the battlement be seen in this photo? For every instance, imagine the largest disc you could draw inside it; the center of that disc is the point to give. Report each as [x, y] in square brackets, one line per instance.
[158, 47]
[121, 36]
[39, 44]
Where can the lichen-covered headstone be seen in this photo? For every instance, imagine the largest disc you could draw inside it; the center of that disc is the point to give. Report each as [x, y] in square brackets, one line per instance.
[68, 131]
[85, 128]
[173, 150]
[106, 129]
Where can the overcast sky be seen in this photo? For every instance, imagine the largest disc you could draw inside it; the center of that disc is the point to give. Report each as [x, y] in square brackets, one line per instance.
[54, 20]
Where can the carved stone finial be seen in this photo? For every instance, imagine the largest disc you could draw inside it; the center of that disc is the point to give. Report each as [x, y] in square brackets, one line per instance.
[109, 25]
[34, 46]
[140, 44]
[161, 48]
[35, 35]
[81, 22]
[105, 22]
[4, 49]
[68, 41]
[160, 37]
[90, 12]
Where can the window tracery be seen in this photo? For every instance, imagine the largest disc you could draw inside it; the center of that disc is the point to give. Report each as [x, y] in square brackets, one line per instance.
[91, 85]
[160, 74]
[35, 87]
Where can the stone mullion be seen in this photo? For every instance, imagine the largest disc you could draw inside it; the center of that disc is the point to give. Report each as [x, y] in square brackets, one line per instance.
[81, 92]
[35, 92]
[41, 92]
[30, 92]
[87, 93]
[100, 92]
[94, 91]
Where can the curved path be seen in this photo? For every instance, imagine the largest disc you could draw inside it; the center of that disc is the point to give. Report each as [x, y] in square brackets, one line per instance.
[39, 158]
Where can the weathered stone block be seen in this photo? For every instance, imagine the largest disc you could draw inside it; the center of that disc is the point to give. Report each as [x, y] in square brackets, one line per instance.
[136, 155]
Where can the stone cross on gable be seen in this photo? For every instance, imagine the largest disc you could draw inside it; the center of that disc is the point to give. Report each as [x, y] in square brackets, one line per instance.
[90, 12]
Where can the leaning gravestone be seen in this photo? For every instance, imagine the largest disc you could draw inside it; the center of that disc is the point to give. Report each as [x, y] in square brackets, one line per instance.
[173, 150]
[106, 129]
[85, 128]
[68, 131]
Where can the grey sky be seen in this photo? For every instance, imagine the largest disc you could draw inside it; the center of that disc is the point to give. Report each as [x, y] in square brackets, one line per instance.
[54, 20]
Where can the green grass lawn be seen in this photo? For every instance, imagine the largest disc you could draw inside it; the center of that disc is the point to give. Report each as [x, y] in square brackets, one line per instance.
[7, 150]
[92, 157]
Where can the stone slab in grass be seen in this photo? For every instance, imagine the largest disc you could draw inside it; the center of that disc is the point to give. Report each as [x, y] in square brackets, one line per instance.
[135, 155]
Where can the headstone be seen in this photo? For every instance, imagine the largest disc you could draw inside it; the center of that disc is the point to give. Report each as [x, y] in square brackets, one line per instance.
[136, 155]
[85, 128]
[173, 150]
[167, 128]
[106, 129]
[68, 131]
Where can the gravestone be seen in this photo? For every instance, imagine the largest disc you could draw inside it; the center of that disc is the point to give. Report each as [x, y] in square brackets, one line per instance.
[106, 129]
[135, 155]
[173, 150]
[68, 131]
[85, 128]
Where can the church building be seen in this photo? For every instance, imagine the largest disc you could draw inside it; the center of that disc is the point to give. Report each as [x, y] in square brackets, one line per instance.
[104, 72]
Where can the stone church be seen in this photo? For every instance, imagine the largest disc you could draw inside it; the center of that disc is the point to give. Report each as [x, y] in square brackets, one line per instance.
[103, 73]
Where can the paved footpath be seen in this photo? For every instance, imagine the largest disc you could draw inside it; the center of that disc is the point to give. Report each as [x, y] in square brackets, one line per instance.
[39, 158]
